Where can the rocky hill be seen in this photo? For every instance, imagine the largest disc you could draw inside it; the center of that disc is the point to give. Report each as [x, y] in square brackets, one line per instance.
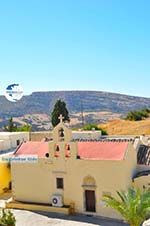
[97, 106]
[89, 101]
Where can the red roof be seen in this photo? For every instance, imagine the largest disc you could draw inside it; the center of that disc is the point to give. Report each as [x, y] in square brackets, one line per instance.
[33, 148]
[107, 150]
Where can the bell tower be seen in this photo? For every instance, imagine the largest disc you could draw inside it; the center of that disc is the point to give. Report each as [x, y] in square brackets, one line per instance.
[61, 133]
[62, 147]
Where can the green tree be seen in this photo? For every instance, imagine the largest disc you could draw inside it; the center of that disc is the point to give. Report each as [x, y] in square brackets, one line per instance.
[59, 109]
[133, 205]
[95, 127]
[11, 127]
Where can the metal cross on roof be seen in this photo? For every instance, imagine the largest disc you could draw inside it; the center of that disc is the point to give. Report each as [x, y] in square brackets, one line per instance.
[61, 118]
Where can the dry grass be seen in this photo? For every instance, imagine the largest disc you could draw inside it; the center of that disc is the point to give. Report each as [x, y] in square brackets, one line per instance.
[124, 127]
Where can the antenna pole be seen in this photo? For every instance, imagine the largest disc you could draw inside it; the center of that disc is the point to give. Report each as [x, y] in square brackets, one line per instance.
[82, 116]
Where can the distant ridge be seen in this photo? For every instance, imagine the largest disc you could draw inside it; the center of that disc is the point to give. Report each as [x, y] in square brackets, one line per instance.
[92, 101]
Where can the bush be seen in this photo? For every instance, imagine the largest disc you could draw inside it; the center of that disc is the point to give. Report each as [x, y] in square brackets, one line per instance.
[90, 127]
[138, 115]
[103, 131]
[95, 127]
[24, 128]
[7, 218]
[12, 127]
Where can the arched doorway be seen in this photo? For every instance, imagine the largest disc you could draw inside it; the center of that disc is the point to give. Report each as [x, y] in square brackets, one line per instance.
[89, 186]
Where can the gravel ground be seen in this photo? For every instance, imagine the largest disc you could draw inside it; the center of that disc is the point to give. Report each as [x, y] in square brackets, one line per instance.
[28, 218]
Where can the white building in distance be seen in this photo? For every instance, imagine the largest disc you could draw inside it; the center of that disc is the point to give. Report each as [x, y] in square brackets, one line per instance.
[10, 140]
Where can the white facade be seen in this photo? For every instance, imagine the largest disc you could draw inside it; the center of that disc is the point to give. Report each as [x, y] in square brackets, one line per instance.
[9, 140]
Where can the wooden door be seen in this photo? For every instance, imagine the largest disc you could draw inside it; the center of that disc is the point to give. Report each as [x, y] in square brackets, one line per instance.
[90, 200]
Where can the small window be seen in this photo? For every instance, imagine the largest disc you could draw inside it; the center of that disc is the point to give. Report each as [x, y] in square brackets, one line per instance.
[18, 142]
[59, 183]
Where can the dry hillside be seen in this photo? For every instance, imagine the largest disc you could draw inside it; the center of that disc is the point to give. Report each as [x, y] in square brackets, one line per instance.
[76, 101]
[124, 127]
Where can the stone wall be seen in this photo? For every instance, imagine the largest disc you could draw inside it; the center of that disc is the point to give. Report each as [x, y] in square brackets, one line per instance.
[38, 136]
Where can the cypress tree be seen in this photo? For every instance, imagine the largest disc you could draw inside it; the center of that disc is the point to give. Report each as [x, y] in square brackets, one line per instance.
[59, 109]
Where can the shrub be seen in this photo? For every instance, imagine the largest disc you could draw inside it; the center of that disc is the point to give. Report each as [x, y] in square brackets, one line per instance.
[95, 127]
[7, 218]
[138, 115]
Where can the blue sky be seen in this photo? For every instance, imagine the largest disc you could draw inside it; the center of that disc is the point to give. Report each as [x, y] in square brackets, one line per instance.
[76, 45]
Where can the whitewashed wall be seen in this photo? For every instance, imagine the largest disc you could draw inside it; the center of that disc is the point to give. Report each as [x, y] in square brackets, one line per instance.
[9, 140]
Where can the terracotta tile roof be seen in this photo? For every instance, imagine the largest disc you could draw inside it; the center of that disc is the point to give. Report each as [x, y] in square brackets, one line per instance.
[33, 148]
[86, 150]
[102, 150]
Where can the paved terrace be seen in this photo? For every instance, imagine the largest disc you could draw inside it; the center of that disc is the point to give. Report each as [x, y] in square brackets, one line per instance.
[39, 218]
[27, 218]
